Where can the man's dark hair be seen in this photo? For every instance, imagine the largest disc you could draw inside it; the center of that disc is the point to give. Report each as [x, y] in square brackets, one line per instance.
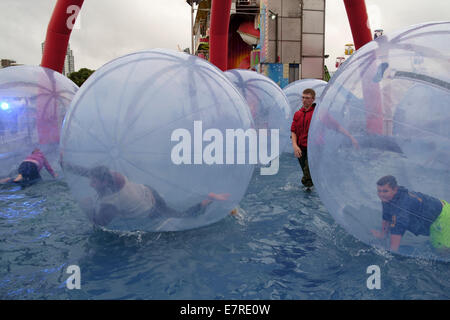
[389, 180]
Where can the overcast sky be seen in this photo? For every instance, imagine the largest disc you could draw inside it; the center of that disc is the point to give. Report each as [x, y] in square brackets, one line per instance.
[112, 28]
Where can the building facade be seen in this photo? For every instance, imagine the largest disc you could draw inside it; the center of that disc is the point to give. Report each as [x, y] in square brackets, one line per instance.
[7, 63]
[283, 39]
[69, 61]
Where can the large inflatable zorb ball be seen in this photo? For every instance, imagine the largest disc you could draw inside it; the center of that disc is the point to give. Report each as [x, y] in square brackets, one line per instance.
[163, 121]
[269, 108]
[392, 96]
[294, 92]
[33, 103]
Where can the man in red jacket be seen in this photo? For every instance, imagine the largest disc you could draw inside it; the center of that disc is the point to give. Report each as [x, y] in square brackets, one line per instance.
[299, 133]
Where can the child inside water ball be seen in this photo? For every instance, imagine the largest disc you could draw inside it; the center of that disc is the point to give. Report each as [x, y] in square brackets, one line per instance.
[406, 210]
[29, 169]
[116, 196]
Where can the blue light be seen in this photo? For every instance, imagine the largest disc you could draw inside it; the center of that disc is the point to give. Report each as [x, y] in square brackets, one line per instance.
[4, 106]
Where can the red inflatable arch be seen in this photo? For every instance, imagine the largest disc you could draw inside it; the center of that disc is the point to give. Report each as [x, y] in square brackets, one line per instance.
[359, 25]
[62, 21]
[58, 33]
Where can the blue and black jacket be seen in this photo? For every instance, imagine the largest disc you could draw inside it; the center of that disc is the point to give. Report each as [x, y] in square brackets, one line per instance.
[412, 211]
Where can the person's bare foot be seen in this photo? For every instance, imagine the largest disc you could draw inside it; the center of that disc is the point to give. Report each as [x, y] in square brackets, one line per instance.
[18, 178]
[219, 196]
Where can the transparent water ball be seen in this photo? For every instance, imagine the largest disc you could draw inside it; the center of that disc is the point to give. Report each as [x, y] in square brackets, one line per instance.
[33, 103]
[163, 121]
[268, 105]
[392, 97]
[294, 92]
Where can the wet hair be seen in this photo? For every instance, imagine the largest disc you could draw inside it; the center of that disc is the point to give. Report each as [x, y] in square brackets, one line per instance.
[111, 180]
[389, 180]
[310, 92]
[103, 174]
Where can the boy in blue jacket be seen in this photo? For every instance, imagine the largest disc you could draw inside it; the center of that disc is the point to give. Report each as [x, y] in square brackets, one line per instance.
[416, 212]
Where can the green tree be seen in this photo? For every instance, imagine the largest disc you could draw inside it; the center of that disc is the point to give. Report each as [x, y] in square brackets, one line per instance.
[80, 76]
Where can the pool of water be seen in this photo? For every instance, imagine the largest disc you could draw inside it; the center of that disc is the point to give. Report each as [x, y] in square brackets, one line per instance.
[282, 245]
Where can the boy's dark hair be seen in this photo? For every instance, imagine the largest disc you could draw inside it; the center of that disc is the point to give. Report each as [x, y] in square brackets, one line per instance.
[102, 173]
[311, 92]
[113, 181]
[389, 180]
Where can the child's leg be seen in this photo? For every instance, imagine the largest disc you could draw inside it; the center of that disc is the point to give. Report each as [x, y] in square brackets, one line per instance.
[6, 180]
[218, 196]
[161, 209]
[440, 229]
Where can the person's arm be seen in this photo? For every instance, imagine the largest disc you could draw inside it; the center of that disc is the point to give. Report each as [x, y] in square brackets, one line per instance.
[331, 123]
[297, 150]
[294, 138]
[49, 168]
[384, 230]
[342, 130]
[75, 169]
[105, 215]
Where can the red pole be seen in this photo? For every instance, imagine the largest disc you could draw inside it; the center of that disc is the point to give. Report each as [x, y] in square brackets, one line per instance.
[58, 33]
[218, 36]
[359, 22]
[55, 48]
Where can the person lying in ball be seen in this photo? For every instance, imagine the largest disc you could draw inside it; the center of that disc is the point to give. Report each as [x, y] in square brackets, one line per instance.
[29, 169]
[406, 210]
[119, 197]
